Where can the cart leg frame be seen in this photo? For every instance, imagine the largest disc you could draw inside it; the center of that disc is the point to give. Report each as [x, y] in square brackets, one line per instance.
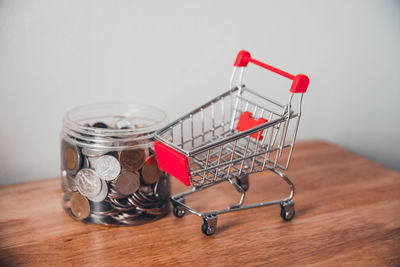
[210, 218]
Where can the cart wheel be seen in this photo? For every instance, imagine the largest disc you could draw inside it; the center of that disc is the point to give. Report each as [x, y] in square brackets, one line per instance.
[243, 182]
[207, 229]
[209, 224]
[287, 212]
[178, 211]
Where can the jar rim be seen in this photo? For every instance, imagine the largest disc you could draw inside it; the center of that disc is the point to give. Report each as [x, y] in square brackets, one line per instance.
[69, 122]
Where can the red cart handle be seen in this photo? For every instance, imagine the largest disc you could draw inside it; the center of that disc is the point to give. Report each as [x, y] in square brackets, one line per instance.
[300, 81]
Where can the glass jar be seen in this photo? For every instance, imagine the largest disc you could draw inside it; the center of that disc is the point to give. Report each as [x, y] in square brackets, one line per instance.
[109, 172]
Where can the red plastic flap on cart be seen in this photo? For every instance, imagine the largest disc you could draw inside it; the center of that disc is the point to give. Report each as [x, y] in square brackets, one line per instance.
[246, 121]
[172, 162]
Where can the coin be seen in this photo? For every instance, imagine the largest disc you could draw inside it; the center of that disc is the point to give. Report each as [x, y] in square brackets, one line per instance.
[107, 167]
[103, 193]
[123, 124]
[150, 172]
[100, 207]
[72, 158]
[79, 206]
[113, 193]
[93, 152]
[140, 125]
[88, 183]
[100, 125]
[127, 182]
[140, 202]
[146, 197]
[147, 189]
[120, 204]
[133, 200]
[127, 216]
[132, 160]
[111, 212]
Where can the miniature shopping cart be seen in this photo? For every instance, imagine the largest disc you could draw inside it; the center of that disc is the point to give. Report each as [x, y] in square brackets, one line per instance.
[235, 134]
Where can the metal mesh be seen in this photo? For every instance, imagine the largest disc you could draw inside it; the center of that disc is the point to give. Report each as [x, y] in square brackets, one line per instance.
[216, 150]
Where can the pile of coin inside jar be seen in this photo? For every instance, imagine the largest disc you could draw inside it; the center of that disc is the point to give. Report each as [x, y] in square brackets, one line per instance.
[112, 180]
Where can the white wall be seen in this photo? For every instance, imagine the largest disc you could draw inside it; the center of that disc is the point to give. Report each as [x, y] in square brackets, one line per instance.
[55, 55]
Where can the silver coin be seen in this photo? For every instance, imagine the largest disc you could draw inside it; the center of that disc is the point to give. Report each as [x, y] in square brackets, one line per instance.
[123, 124]
[107, 167]
[103, 193]
[92, 152]
[88, 183]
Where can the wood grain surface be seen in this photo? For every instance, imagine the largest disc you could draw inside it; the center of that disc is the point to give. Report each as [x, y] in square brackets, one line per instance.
[347, 213]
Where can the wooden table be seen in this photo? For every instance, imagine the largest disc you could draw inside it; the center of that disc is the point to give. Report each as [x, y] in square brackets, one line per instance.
[347, 213]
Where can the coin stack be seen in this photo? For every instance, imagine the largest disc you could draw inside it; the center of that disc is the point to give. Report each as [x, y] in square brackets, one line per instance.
[121, 186]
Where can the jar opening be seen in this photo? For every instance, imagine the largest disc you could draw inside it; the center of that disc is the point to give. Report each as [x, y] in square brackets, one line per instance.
[100, 124]
[143, 118]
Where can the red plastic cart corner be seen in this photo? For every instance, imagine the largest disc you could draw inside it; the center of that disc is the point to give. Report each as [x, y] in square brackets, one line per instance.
[172, 162]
